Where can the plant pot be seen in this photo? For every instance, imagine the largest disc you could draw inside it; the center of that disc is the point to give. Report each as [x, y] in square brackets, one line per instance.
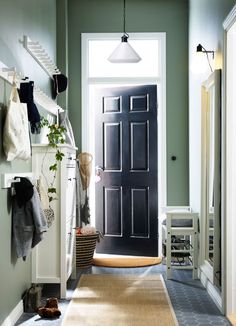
[85, 246]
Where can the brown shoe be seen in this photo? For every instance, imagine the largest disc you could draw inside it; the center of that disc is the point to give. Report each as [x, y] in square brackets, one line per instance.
[51, 303]
[48, 312]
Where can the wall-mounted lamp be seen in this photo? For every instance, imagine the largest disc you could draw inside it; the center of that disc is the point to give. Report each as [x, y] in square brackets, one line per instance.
[201, 49]
[124, 53]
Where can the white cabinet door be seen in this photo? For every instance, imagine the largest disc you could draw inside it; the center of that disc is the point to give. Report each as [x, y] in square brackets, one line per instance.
[52, 259]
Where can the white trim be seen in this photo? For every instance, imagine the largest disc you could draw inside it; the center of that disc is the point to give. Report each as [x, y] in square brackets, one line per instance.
[207, 269]
[211, 289]
[230, 19]
[161, 82]
[123, 80]
[14, 315]
[116, 36]
[175, 209]
[223, 180]
[228, 294]
[162, 171]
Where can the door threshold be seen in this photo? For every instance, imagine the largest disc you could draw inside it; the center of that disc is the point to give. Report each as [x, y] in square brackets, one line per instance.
[98, 255]
[106, 260]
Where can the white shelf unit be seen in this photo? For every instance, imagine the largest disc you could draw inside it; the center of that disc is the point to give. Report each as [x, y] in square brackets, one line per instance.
[184, 226]
[53, 260]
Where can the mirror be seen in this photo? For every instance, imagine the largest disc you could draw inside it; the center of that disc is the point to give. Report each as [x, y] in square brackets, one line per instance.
[211, 192]
[210, 152]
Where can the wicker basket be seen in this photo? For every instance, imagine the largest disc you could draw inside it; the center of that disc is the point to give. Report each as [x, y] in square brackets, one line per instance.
[85, 246]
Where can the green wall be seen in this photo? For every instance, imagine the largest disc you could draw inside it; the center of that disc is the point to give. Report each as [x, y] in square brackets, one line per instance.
[205, 27]
[37, 19]
[168, 16]
[62, 47]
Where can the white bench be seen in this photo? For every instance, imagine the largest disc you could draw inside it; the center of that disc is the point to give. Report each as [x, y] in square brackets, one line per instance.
[180, 236]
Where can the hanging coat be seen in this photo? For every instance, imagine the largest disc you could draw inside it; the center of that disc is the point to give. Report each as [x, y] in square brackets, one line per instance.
[29, 223]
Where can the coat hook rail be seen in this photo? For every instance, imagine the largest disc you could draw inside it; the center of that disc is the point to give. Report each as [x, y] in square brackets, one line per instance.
[46, 102]
[40, 97]
[10, 74]
[8, 178]
[40, 55]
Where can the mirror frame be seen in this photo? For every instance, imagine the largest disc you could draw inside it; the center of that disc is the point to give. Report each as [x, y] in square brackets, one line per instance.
[211, 91]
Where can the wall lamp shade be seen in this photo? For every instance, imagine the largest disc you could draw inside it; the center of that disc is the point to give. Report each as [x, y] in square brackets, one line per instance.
[124, 53]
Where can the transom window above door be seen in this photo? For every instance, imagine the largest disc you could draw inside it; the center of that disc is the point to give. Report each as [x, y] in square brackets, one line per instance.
[99, 66]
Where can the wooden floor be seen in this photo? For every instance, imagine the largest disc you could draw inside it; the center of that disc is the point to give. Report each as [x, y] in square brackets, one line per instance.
[232, 319]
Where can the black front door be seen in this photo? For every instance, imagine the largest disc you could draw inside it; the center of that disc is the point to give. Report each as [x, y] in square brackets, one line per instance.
[126, 150]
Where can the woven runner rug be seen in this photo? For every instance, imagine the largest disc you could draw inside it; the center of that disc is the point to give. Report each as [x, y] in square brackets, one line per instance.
[125, 261]
[120, 300]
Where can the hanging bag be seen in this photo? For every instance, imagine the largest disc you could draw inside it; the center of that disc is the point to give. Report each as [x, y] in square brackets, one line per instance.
[43, 196]
[16, 141]
[85, 168]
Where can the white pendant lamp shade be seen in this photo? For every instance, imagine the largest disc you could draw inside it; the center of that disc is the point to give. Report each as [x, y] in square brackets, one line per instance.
[124, 53]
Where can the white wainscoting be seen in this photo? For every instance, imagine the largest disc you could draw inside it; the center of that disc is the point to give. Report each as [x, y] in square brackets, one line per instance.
[15, 314]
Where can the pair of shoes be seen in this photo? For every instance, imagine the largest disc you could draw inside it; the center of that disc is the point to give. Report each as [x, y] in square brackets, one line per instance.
[50, 310]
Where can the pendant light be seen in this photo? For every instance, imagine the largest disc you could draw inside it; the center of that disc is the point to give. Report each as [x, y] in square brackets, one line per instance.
[124, 53]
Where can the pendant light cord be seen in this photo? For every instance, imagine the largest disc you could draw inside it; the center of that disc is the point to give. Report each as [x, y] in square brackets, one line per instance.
[124, 53]
[124, 19]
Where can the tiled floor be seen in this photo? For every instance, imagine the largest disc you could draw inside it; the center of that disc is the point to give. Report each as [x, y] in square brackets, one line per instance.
[192, 305]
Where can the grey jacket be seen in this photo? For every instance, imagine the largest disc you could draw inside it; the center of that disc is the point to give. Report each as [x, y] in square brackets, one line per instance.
[28, 223]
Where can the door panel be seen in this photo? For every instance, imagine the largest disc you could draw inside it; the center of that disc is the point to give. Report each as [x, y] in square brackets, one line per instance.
[140, 212]
[111, 104]
[113, 211]
[139, 145]
[139, 103]
[112, 146]
[126, 148]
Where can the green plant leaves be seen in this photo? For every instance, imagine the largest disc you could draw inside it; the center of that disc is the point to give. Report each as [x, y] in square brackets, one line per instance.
[53, 167]
[55, 137]
[52, 190]
[59, 155]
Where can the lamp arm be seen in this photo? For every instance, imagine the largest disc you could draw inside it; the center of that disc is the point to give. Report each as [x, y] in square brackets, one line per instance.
[209, 59]
[206, 51]
[212, 52]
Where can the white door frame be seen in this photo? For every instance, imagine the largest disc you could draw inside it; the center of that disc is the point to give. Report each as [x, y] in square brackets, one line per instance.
[160, 81]
[228, 179]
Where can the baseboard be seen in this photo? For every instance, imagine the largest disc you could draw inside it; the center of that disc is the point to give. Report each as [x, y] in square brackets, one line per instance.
[211, 289]
[15, 314]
